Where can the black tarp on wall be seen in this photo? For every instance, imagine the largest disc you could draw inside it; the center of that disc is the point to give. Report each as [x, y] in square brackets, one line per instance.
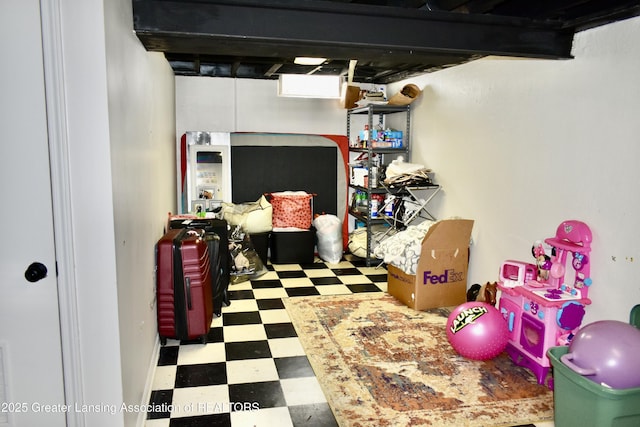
[257, 170]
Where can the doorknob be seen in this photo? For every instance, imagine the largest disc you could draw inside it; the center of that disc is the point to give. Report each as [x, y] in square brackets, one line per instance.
[36, 271]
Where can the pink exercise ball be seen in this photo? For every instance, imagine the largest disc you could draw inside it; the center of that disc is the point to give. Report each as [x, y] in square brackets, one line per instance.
[477, 330]
[606, 352]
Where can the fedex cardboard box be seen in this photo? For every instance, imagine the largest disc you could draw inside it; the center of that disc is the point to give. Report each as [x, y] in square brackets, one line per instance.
[441, 275]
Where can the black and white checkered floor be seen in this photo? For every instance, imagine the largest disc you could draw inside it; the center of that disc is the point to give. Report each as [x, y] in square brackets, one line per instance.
[253, 370]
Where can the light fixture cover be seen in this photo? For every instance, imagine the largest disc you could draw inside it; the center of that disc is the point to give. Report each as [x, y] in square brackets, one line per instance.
[307, 60]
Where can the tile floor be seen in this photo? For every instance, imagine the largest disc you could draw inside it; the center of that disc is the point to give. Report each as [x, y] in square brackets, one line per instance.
[253, 370]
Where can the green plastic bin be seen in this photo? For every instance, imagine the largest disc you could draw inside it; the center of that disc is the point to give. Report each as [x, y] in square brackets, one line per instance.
[581, 402]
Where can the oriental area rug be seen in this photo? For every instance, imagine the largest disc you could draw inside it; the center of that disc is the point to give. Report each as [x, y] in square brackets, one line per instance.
[381, 363]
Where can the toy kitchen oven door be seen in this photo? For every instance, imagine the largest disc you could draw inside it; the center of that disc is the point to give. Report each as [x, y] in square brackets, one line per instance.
[544, 303]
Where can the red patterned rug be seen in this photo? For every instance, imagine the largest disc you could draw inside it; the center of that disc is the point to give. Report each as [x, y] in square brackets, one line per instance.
[381, 363]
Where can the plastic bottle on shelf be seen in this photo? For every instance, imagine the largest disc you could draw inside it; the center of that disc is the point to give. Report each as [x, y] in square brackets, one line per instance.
[388, 205]
[374, 207]
[378, 134]
[362, 200]
[365, 138]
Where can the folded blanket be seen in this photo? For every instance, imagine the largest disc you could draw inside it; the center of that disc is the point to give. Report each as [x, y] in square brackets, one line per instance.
[403, 249]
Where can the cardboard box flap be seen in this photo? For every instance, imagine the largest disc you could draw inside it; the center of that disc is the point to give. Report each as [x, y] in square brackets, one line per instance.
[448, 234]
[444, 255]
[448, 239]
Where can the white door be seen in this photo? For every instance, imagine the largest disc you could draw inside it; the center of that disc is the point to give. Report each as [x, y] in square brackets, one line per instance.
[30, 350]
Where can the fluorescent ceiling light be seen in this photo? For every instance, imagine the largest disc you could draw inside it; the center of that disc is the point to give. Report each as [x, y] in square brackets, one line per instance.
[306, 60]
[309, 86]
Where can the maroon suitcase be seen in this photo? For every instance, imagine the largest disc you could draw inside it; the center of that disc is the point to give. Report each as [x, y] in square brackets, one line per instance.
[183, 286]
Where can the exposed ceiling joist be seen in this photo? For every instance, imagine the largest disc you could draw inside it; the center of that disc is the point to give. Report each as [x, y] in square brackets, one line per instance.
[391, 39]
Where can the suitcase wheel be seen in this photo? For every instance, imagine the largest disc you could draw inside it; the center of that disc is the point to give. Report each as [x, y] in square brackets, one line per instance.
[163, 341]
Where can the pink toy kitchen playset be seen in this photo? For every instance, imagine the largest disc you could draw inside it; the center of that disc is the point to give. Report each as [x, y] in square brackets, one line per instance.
[544, 303]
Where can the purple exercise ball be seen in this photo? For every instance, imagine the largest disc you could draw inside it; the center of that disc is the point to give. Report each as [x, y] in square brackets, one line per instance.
[477, 330]
[606, 352]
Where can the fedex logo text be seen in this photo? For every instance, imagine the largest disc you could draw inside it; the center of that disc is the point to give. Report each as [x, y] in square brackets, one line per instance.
[447, 277]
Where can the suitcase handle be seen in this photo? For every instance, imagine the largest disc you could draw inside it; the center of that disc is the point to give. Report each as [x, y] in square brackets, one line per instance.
[187, 283]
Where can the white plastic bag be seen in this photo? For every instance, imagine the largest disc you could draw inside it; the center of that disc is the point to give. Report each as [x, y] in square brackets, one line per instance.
[329, 235]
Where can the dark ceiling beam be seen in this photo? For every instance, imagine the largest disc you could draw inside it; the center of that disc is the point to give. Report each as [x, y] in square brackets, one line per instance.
[484, 6]
[447, 4]
[338, 30]
[592, 17]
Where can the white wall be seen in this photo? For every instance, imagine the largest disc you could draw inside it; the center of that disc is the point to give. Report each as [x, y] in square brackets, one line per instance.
[141, 104]
[246, 105]
[92, 207]
[521, 145]
[121, 122]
